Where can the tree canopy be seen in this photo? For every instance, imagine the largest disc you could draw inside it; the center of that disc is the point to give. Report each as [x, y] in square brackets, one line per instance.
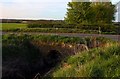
[90, 12]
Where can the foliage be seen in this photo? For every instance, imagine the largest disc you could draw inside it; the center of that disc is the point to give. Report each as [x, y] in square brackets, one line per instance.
[98, 62]
[22, 53]
[9, 38]
[103, 12]
[90, 13]
[77, 12]
[13, 47]
[60, 28]
[48, 25]
[51, 30]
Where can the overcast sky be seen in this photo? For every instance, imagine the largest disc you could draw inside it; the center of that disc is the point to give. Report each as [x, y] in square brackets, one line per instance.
[34, 9]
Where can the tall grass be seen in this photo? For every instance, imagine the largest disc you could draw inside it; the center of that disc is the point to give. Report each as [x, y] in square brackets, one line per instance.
[98, 62]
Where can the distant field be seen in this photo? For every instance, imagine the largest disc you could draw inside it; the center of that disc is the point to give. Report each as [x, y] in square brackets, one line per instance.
[7, 26]
[19, 27]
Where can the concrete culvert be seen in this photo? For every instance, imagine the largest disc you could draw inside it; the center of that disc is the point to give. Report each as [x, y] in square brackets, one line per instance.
[53, 57]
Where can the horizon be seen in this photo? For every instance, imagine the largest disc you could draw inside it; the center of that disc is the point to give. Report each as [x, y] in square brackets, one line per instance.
[45, 10]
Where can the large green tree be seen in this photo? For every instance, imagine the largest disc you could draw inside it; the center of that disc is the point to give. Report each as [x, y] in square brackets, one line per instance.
[89, 12]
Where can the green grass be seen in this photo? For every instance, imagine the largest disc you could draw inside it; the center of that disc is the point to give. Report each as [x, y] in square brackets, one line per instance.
[98, 62]
[9, 26]
[47, 30]
[18, 27]
[54, 38]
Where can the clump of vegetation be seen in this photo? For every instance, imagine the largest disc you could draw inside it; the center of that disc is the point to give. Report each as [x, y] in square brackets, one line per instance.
[55, 38]
[13, 47]
[98, 62]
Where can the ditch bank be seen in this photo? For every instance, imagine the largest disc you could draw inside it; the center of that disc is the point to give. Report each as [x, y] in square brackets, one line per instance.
[24, 58]
[29, 59]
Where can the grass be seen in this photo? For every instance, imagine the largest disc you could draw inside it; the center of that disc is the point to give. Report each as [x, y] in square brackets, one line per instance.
[54, 38]
[18, 43]
[47, 30]
[11, 26]
[98, 62]
[18, 27]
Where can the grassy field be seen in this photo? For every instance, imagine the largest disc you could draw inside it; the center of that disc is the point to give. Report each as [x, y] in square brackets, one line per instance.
[8, 26]
[19, 27]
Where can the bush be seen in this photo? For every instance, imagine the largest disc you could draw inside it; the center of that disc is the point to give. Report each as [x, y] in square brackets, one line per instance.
[50, 25]
[40, 25]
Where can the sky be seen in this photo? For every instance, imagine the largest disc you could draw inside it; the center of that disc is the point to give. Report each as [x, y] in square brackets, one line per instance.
[34, 9]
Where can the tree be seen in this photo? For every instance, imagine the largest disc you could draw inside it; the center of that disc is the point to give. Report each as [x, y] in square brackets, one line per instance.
[103, 12]
[89, 12]
[77, 12]
[103, 15]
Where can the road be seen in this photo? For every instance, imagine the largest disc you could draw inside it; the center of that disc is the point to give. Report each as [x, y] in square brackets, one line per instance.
[114, 37]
